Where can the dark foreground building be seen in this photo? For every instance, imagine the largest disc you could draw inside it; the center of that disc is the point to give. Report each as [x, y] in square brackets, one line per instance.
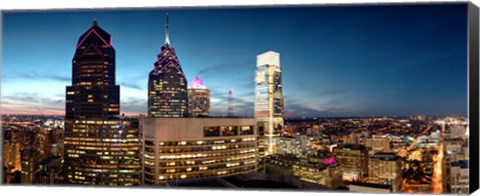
[100, 147]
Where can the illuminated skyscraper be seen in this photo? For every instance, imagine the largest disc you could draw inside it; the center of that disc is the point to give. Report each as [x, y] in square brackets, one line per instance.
[100, 148]
[199, 99]
[167, 85]
[268, 99]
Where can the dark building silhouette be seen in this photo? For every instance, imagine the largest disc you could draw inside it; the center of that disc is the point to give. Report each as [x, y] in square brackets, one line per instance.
[100, 148]
[93, 93]
[30, 164]
[167, 85]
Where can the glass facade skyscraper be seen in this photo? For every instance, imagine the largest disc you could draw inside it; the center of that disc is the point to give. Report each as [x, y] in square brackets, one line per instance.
[100, 147]
[167, 85]
[269, 109]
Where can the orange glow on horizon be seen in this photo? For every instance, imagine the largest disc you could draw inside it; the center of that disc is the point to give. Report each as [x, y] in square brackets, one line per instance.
[34, 112]
[52, 113]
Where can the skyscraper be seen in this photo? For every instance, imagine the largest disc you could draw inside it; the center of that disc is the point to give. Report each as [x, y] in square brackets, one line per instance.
[269, 107]
[93, 93]
[167, 85]
[198, 98]
[100, 148]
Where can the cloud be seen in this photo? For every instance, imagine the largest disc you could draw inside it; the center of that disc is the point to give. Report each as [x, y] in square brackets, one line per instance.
[31, 103]
[131, 85]
[133, 105]
[226, 68]
[39, 76]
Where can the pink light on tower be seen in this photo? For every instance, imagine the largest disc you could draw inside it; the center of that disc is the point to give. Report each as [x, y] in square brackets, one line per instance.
[197, 83]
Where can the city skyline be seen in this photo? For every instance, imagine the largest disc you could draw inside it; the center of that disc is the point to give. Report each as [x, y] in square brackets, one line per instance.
[349, 62]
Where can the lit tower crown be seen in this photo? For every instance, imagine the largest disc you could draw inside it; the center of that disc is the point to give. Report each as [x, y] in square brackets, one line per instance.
[167, 85]
[197, 83]
[198, 98]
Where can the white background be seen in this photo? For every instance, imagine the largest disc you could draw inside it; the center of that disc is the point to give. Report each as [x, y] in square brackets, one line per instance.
[67, 191]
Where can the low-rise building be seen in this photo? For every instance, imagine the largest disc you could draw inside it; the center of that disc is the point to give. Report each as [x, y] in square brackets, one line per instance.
[190, 148]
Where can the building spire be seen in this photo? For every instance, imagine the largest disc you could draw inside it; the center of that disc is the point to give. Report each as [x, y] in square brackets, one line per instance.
[167, 39]
[95, 22]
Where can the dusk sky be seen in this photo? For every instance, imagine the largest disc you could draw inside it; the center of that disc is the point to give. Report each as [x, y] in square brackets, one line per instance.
[336, 61]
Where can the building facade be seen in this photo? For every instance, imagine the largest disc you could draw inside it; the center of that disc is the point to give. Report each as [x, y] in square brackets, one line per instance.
[459, 177]
[353, 160]
[11, 156]
[386, 168]
[297, 145]
[381, 143]
[269, 107]
[319, 170]
[198, 99]
[190, 148]
[167, 85]
[100, 148]
[30, 164]
[50, 171]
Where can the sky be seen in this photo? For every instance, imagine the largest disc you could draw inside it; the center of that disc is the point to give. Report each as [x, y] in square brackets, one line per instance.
[336, 61]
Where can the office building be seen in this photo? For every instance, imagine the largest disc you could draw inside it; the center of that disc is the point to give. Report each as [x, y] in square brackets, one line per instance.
[459, 177]
[30, 165]
[319, 170]
[381, 143]
[386, 168]
[268, 107]
[167, 85]
[189, 148]
[50, 171]
[99, 147]
[198, 99]
[366, 187]
[297, 145]
[327, 175]
[353, 161]
[11, 156]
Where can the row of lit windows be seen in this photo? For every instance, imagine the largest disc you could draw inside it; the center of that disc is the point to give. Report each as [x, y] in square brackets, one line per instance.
[164, 178]
[96, 144]
[203, 162]
[203, 155]
[96, 140]
[197, 143]
[203, 168]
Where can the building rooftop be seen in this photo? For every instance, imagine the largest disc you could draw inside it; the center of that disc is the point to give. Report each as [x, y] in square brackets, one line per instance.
[373, 185]
[386, 156]
[49, 160]
[351, 147]
[462, 164]
[210, 182]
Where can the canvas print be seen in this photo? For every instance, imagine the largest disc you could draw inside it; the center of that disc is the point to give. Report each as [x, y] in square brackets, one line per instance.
[355, 98]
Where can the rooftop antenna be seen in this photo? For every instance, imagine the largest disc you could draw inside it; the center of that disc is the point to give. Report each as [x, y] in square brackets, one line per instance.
[167, 38]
